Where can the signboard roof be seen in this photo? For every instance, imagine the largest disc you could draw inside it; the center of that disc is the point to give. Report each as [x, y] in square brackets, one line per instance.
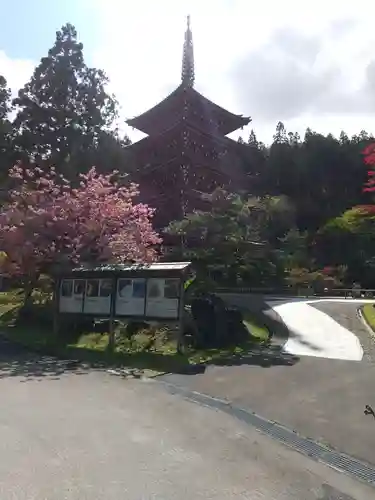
[130, 268]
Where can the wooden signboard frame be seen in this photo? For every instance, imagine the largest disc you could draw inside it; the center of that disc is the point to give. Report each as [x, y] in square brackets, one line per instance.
[75, 305]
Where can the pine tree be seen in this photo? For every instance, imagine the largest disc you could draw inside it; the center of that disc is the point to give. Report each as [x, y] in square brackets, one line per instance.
[64, 108]
[280, 136]
[253, 141]
[5, 131]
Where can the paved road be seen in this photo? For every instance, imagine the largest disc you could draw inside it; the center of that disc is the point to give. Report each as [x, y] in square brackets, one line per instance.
[320, 398]
[77, 434]
[314, 333]
[323, 399]
[346, 315]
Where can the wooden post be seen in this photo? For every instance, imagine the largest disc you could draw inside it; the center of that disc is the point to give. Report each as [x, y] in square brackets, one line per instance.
[111, 339]
[56, 305]
[181, 313]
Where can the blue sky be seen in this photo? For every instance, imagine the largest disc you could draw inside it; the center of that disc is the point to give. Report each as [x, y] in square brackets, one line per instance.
[308, 63]
[32, 25]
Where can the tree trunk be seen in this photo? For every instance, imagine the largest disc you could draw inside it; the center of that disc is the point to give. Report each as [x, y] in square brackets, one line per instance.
[29, 288]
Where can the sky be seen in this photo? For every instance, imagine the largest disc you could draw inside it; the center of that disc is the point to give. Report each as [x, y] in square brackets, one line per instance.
[305, 63]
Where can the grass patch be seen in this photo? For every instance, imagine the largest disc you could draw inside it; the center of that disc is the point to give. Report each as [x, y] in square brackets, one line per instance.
[91, 347]
[369, 314]
[256, 328]
[10, 298]
[147, 350]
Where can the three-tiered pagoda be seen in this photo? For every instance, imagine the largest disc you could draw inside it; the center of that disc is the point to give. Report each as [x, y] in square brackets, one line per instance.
[186, 154]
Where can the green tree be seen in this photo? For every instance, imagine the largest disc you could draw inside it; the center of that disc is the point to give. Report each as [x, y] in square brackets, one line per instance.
[109, 152]
[5, 132]
[278, 217]
[281, 176]
[65, 108]
[280, 136]
[255, 163]
[331, 179]
[228, 242]
[321, 176]
[294, 249]
[349, 240]
[224, 237]
[5, 101]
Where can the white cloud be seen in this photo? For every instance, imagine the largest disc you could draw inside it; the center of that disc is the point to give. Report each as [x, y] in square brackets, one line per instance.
[16, 71]
[306, 63]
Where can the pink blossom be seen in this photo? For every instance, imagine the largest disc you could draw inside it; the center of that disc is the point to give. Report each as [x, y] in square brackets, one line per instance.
[369, 158]
[47, 221]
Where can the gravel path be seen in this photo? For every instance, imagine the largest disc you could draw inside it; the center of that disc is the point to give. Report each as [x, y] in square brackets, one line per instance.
[346, 315]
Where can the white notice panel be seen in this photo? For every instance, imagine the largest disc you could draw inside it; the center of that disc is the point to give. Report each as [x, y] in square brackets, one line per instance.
[130, 297]
[98, 296]
[162, 298]
[71, 296]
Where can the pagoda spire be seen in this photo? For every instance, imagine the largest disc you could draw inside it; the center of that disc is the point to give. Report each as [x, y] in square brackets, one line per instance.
[187, 73]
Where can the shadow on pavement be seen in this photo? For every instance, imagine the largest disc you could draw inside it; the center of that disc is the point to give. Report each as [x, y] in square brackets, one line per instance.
[301, 340]
[15, 361]
[265, 357]
[40, 368]
[262, 311]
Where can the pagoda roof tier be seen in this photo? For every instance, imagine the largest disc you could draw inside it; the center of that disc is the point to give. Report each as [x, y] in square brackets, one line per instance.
[167, 183]
[191, 148]
[177, 140]
[186, 103]
[224, 168]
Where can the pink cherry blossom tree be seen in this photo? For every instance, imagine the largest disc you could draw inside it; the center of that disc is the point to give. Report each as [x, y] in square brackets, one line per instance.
[369, 158]
[369, 187]
[48, 222]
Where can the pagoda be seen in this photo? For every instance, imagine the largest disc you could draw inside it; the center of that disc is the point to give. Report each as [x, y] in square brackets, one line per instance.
[186, 154]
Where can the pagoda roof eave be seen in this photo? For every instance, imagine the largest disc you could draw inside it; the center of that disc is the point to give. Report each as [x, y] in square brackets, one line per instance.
[240, 150]
[244, 119]
[218, 139]
[138, 121]
[156, 115]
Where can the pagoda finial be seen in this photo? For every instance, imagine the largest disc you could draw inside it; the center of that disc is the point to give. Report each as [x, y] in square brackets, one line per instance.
[187, 73]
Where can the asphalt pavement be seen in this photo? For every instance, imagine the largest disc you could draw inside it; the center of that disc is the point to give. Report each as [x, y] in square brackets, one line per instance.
[70, 432]
[346, 314]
